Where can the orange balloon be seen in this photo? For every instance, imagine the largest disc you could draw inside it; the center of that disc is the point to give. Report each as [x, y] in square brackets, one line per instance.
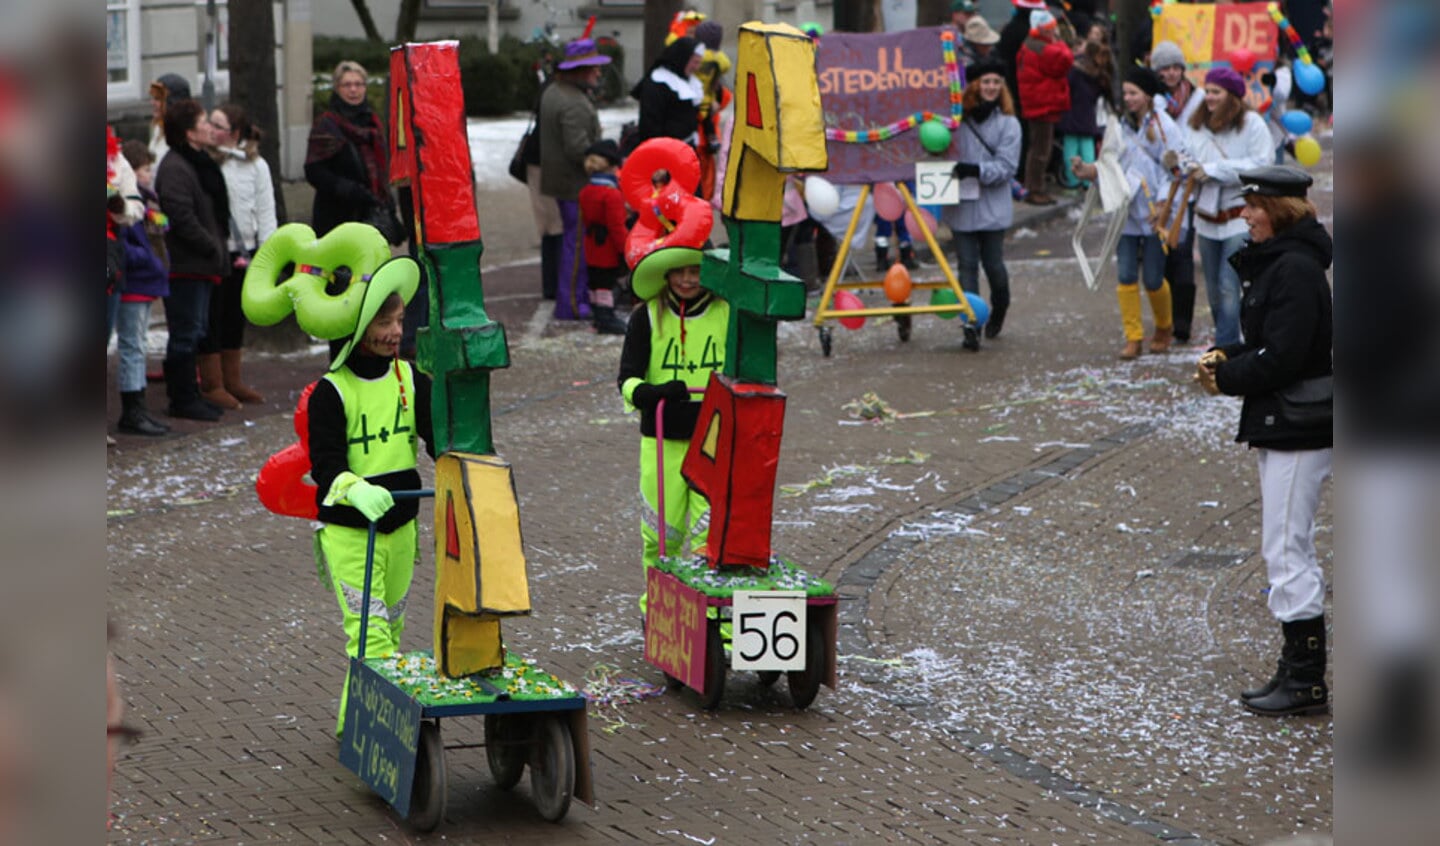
[897, 283]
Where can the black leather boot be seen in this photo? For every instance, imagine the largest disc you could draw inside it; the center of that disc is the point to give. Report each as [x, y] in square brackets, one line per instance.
[184, 391]
[135, 419]
[882, 255]
[907, 257]
[550, 246]
[1299, 683]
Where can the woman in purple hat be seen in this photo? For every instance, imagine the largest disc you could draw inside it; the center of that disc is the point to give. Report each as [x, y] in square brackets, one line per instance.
[568, 126]
[1226, 137]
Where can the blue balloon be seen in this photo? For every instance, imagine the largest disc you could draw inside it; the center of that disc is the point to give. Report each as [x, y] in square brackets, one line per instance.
[979, 306]
[1297, 122]
[1309, 78]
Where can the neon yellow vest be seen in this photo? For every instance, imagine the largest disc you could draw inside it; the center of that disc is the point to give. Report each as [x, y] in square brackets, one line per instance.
[702, 352]
[379, 427]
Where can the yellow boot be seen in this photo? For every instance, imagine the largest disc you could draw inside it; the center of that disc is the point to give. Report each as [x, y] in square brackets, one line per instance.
[1129, 296]
[1164, 318]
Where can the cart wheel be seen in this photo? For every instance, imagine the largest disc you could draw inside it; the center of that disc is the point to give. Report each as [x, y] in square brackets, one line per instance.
[826, 336]
[714, 667]
[902, 326]
[804, 684]
[427, 796]
[552, 768]
[504, 749]
[768, 677]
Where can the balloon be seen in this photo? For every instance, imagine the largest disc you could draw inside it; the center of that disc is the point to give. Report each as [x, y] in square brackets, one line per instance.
[934, 136]
[281, 484]
[1297, 122]
[979, 306]
[821, 196]
[1242, 60]
[888, 203]
[897, 283]
[1309, 78]
[302, 414]
[1307, 151]
[944, 296]
[846, 301]
[914, 229]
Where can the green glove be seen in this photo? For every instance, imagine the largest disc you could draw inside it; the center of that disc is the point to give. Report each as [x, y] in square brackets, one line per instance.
[371, 500]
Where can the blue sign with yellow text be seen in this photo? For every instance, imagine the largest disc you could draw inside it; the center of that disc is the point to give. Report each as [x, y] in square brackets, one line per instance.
[382, 732]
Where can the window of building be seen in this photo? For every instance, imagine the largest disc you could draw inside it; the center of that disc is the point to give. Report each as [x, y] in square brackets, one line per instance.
[122, 49]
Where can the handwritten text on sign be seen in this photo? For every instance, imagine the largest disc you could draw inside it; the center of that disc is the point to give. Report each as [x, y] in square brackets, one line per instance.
[675, 628]
[382, 728]
[868, 80]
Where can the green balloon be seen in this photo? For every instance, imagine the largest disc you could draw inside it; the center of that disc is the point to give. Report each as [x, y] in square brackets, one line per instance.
[944, 296]
[934, 136]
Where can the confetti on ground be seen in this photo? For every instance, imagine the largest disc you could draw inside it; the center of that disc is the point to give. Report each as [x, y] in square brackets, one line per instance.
[870, 407]
[607, 691]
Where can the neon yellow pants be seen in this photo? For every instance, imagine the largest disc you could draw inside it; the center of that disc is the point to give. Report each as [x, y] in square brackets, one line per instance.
[340, 556]
[687, 513]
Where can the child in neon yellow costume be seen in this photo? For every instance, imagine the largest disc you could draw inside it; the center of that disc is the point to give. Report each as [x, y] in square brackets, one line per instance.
[365, 414]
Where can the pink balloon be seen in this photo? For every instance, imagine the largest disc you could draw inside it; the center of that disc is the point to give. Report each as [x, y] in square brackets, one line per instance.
[847, 301]
[914, 229]
[888, 203]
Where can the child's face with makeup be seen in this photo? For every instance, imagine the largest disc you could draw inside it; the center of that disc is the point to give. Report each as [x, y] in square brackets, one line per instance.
[382, 336]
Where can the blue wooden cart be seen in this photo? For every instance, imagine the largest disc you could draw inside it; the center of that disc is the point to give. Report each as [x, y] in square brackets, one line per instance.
[392, 726]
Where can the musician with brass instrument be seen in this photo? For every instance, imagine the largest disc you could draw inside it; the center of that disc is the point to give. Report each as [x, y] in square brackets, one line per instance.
[1147, 134]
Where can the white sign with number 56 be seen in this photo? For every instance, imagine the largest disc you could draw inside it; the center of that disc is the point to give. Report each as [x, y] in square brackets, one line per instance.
[768, 630]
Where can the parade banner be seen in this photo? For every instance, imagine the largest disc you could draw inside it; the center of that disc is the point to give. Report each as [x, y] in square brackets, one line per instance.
[869, 81]
[1210, 35]
[675, 628]
[382, 734]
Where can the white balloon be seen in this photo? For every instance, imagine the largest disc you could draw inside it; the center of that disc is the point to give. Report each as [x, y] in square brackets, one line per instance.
[821, 197]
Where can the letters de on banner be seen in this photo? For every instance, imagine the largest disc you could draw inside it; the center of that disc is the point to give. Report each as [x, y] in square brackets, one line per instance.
[1207, 34]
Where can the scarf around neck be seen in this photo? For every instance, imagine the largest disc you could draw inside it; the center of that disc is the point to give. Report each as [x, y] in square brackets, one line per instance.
[359, 127]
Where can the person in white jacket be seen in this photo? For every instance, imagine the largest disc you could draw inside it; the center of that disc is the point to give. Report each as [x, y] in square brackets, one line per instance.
[1226, 137]
[252, 220]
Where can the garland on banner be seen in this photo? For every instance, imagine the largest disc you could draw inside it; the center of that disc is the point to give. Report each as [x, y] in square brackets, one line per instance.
[900, 127]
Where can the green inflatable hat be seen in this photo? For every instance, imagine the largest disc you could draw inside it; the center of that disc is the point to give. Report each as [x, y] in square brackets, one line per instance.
[648, 277]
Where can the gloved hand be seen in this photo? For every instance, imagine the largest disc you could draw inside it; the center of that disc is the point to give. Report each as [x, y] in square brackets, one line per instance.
[369, 499]
[646, 396]
[964, 169]
[1205, 371]
[598, 232]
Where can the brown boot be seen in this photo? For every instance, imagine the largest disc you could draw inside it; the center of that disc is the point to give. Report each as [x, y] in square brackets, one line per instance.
[1161, 342]
[230, 366]
[1131, 350]
[212, 383]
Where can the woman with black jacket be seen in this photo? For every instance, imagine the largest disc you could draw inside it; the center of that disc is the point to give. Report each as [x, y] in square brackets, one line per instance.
[1285, 317]
[347, 156]
[670, 94]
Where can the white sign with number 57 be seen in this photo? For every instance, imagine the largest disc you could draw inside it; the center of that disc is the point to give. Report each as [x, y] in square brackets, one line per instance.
[936, 185]
[768, 630]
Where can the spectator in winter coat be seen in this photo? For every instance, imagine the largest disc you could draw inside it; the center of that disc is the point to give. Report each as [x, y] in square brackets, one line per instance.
[252, 220]
[989, 149]
[670, 94]
[1091, 79]
[568, 126]
[1042, 69]
[193, 196]
[602, 213]
[166, 89]
[146, 278]
[979, 40]
[347, 155]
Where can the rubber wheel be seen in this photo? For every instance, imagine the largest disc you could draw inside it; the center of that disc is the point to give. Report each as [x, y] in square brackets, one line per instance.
[552, 768]
[714, 667]
[902, 326]
[504, 748]
[804, 684]
[427, 794]
[767, 677]
[826, 339]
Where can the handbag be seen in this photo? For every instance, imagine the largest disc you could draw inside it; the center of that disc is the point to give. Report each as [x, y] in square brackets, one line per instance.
[517, 161]
[1309, 403]
[382, 216]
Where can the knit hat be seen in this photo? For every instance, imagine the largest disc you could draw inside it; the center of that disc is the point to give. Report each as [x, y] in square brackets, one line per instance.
[1041, 19]
[606, 149]
[1227, 79]
[580, 53]
[1145, 79]
[1166, 54]
[981, 67]
[170, 87]
[710, 33]
[1029, 4]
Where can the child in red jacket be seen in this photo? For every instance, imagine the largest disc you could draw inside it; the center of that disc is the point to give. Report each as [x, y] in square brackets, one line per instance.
[602, 217]
[1043, 72]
